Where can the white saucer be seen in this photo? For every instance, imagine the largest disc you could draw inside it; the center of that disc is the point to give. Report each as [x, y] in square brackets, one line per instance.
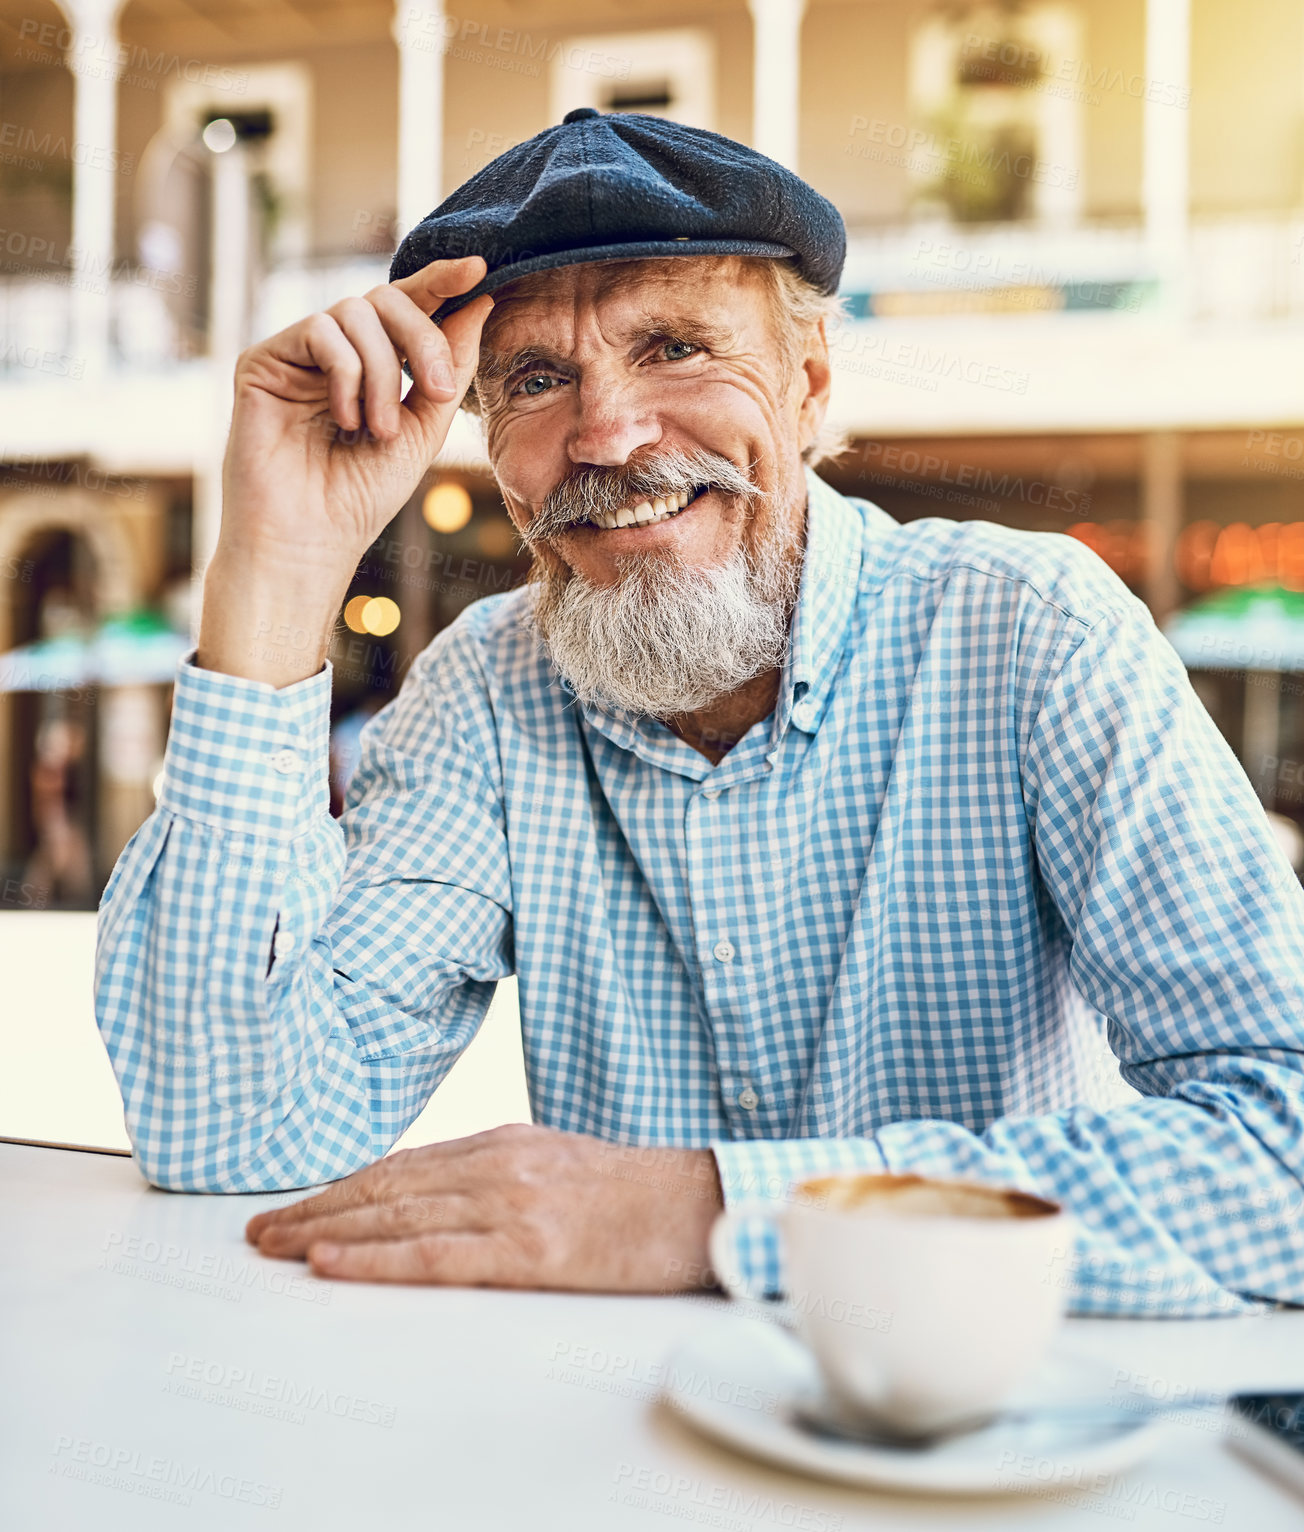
[739, 1379]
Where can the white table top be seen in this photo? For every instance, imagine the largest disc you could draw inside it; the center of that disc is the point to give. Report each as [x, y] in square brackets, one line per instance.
[449, 1408]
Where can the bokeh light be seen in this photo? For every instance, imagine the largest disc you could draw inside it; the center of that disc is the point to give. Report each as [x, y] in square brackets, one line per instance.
[219, 135]
[1208, 556]
[447, 507]
[380, 616]
[353, 611]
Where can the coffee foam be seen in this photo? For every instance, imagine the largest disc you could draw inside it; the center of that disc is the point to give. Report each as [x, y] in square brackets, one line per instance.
[917, 1197]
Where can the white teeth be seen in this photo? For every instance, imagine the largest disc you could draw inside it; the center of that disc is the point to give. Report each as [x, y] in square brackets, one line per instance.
[645, 514]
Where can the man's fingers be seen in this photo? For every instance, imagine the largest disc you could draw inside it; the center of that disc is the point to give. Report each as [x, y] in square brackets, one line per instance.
[324, 345]
[429, 287]
[459, 333]
[431, 1171]
[418, 340]
[359, 344]
[442, 1170]
[358, 1190]
[453, 1259]
[381, 371]
[408, 1213]
[462, 333]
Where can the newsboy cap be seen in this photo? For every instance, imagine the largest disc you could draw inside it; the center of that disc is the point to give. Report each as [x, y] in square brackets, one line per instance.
[625, 186]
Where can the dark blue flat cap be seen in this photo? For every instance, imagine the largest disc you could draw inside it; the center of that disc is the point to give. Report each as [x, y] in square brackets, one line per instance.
[625, 186]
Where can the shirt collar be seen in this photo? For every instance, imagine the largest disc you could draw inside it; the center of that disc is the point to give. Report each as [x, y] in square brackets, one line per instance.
[830, 575]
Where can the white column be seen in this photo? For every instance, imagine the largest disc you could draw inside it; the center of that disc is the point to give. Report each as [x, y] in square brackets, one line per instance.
[1165, 183]
[92, 59]
[776, 77]
[228, 320]
[418, 29]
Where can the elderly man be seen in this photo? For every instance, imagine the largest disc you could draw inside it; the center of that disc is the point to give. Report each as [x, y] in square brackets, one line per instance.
[815, 840]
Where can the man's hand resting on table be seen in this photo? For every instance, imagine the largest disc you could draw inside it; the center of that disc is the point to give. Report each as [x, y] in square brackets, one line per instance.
[516, 1207]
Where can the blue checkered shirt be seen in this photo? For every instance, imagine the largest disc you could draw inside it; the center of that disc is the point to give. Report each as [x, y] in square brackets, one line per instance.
[987, 835]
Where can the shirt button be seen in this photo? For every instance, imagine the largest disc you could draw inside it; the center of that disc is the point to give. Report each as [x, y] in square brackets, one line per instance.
[803, 716]
[283, 942]
[748, 1099]
[724, 951]
[286, 761]
[711, 792]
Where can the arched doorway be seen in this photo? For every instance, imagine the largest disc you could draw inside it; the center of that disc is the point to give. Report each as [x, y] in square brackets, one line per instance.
[53, 739]
[68, 563]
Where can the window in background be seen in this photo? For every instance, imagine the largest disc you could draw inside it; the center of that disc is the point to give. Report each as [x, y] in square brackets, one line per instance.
[281, 159]
[998, 130]
[665, 74]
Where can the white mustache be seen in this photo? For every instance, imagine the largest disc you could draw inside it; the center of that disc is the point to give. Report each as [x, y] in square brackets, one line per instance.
[602, 490]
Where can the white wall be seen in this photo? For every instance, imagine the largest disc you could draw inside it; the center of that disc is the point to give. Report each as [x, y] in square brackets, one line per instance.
[56, 1083]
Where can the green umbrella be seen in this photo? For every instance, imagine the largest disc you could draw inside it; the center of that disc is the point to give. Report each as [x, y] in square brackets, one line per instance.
[1246, 627]
[1258, 629]
[138, 649]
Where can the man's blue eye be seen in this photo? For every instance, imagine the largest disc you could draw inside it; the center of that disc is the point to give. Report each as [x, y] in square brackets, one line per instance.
[684, 348]
[537, 377]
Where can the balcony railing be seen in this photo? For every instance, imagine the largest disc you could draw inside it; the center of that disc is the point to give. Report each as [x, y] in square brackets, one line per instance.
[1248, 267]
[291, 292]
[147, 328]
[1242, 269]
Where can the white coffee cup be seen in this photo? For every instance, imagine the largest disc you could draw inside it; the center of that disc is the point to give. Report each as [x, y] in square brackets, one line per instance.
[925, 1302]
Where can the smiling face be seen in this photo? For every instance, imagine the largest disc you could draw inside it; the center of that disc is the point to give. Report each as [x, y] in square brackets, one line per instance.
[645, 422]
[615, 364]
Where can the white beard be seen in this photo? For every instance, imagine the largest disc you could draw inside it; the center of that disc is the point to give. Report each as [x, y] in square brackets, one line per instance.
[669, 638]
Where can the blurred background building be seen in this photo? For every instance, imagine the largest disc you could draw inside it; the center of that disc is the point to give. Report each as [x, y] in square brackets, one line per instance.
[1074, 295]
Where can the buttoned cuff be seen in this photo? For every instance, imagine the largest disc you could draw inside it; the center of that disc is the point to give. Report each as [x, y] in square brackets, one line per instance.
[246, 757]
[766, 1170]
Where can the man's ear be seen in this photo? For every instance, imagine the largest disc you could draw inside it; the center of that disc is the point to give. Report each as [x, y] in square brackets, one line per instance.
[814, 382]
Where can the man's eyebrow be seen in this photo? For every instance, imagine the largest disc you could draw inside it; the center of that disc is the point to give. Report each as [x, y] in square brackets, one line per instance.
[495, 368]
[690, 327]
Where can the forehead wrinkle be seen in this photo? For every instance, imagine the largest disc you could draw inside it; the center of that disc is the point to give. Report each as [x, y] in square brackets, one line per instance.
[676, 302]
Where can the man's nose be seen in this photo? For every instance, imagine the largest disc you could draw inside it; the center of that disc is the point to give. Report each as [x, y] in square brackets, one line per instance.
[612, 424]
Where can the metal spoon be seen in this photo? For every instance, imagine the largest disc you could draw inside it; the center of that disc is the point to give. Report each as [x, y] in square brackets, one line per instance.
[819, 1417]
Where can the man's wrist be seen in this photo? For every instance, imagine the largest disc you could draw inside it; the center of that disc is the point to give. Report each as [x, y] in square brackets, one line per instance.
[267, 625]
[697, 1201]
